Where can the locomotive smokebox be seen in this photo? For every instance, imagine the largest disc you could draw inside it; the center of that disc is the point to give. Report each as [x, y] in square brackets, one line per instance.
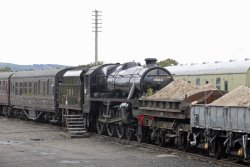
[150, 62]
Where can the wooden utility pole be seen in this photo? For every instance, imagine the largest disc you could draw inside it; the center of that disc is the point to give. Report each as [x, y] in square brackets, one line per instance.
[96, 28]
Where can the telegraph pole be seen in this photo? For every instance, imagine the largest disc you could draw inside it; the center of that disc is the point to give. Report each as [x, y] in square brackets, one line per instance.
[97, 25]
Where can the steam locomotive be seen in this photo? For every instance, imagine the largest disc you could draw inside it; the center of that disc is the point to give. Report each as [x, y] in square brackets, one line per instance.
[111, 94]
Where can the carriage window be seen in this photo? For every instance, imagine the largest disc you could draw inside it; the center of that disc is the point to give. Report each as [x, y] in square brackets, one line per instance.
[3, 85]
[20, 88]
[35, 88]
[16, 88]
[198, 82]
[13, 88]
[0, 85]
[30, 88]
[25, 85]
[218, 83]
[38, 87]
[48, 87]
[6, 86]
[43, 88]
[226, 86]
[51, 88]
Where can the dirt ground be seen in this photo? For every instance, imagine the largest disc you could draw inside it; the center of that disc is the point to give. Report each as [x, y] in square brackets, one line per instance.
[31, 144]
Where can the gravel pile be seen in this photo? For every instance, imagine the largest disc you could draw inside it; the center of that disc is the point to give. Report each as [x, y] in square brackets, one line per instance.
[237, 97]
[178, 89]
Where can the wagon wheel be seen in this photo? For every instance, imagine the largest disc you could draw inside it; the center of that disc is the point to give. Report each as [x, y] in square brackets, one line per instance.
[110, 129]
[182, 143]
[140, 134]
[129, 133]
[18, 114]
[219, 150]
[215, 148]
[160, 140]
[120, 130]
[100, 126]
[23, 115]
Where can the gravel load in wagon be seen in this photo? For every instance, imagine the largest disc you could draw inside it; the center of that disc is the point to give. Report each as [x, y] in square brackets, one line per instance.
[174, 100]
[179, 90]
[231, 112]
[238, 97]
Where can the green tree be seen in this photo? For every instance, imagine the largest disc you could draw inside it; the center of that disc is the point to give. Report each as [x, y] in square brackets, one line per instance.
[167, 62]
[5, 69]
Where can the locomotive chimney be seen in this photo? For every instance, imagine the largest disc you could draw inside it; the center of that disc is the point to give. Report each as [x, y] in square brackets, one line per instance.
[150, 62]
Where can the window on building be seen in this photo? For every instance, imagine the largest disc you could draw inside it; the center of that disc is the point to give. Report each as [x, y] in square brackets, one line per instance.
[226, 86]
[207, 82]
[198, 81]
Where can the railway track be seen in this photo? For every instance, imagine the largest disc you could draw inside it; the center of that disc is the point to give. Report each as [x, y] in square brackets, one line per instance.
[198, 157]
[168, 150]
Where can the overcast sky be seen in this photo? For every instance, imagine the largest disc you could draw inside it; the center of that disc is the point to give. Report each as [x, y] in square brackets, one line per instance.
[60, 31]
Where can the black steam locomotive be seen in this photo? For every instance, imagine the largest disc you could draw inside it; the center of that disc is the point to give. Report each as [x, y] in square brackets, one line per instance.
[111, 93]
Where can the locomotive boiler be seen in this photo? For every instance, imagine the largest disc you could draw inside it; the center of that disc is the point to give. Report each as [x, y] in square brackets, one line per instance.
[119, 80]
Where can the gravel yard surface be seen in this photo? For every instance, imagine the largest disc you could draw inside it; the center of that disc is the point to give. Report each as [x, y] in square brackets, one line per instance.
[31, 144]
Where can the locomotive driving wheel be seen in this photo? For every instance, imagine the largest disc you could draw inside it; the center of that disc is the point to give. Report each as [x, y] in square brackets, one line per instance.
[129, 133]
[120, 130]
[111, 126]
[110, 129]
[100, 126]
